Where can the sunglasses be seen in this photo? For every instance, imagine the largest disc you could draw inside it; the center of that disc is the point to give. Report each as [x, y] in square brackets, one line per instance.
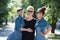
[29, 11]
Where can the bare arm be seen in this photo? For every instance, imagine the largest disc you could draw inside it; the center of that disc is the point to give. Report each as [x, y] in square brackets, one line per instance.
[27, 29]
[23, 29]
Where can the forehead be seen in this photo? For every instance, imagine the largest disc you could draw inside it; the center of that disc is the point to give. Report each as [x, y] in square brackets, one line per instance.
[30, 9]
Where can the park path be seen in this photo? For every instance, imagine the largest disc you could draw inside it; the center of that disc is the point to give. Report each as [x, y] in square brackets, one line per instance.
[5, 31]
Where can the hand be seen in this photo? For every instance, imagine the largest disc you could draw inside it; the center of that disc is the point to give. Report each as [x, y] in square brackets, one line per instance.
[44, 32]
[29, 30]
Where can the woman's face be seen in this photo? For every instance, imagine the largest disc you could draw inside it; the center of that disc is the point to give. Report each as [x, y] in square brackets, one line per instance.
[30, 11]
[39, 14]
[21, 12]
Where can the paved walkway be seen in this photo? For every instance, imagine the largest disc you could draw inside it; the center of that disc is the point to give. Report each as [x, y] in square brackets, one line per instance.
[5, 31]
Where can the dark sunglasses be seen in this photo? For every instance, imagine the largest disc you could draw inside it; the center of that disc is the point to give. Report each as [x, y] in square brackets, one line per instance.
[29, 11]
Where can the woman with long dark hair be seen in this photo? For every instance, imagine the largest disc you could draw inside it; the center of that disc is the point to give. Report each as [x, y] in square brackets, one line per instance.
[42, 26]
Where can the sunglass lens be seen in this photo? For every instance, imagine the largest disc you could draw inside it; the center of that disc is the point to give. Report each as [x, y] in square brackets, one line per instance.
[30, 11]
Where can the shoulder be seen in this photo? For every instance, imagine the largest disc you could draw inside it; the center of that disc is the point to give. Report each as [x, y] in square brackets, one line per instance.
[45, 21]
[47, 24]
[17, 18]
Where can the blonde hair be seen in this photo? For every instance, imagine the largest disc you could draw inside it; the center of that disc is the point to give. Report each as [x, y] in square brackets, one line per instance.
[30, 7]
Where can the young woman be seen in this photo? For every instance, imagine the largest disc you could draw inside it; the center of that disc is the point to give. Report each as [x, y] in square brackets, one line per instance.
[29, 24]
[42, 26]
[19, 23]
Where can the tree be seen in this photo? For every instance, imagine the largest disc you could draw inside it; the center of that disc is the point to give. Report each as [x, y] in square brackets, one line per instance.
[13, 4]
[3, 10]
[52, 6]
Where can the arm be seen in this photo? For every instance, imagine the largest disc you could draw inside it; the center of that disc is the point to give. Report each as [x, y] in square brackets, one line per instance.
[17, 24]
[27, 29]
[48, 30]
[23, 29]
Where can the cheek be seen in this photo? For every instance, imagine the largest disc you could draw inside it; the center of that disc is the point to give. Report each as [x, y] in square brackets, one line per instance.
[20, 13]
[39, 15]
[30, 13]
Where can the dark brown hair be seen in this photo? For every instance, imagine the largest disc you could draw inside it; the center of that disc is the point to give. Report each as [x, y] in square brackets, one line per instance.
[42, 10]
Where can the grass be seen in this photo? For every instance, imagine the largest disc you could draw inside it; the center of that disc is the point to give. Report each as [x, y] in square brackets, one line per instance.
[54, 36]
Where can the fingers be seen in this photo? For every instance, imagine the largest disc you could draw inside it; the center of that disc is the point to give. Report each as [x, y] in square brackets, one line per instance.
[30, 30]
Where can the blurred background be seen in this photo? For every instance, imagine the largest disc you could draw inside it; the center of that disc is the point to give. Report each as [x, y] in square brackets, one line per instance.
[8, 15]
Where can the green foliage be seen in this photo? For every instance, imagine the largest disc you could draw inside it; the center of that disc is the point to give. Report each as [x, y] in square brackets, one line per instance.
[12, 9]
[3, 10]
[53, 8]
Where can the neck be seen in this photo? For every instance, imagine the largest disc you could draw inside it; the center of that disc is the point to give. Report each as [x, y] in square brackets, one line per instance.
[29, 16]
[21, 15]
[40, 18]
